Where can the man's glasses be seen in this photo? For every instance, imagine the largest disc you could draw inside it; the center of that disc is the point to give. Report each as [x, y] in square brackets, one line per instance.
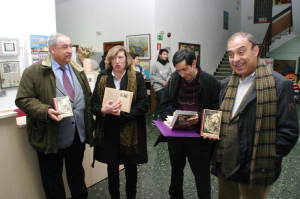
[65, 46]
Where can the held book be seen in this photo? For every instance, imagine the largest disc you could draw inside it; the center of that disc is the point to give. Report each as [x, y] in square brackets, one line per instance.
[211, 123]
[63, 105]
[179, 119]
[124, 96]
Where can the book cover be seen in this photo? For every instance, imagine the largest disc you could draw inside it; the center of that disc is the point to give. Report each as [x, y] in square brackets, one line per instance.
[124, 96]
[179, 119]
[63, 105]
[211, 123]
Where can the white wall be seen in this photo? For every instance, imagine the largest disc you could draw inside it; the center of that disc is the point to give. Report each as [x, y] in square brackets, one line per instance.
[190, 21]
[296, 16]
[114, 19]
[247, 18]
[199, 22]
[20, 19]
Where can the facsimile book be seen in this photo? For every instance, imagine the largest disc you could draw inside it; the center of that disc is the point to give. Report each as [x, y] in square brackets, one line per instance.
[114, 94]
[63, 105]
[179, 119]
[211, 123]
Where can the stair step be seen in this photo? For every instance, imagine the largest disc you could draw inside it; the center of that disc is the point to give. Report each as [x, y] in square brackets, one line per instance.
[223, 69]
[225, 62]
[220, 77]
[222, 73]
[224, 66]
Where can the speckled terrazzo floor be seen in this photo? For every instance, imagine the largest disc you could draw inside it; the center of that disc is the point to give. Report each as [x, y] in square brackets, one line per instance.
[154, 177]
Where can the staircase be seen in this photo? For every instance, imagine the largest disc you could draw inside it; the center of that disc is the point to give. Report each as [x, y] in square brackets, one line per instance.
[281, 38]
[223, 69]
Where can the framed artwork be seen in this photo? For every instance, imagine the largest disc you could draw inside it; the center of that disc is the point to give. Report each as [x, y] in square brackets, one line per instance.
[146, 66]
[278, 2]
[225, 20]
[194, 47]
[10, 74]
[285, 66]
[9, 47]
[39, 47]
[140, 45]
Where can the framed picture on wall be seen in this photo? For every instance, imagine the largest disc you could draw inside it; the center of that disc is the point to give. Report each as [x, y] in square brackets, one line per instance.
[146, 66]
[225, 20]
[278, 2]
[194, 47]
[140, 45]
[9, 47]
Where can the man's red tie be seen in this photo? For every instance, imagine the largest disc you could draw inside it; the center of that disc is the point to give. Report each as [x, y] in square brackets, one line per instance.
[67, 84]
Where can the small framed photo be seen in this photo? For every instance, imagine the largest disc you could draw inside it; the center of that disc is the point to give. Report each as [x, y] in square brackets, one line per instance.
[9, 47]
[140, 45]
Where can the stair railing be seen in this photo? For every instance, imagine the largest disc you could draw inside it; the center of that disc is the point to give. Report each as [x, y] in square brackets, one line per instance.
[278, 24]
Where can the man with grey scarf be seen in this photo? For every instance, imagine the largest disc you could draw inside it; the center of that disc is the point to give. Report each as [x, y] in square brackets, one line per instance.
[259, 124]
[160, 73]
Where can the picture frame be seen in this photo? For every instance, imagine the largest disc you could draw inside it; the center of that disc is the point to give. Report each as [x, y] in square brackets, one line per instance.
[146, 66]
[196, 48]
[10, 74]
[140, 45]
[279, 2]
[9, 47]
[225, 20]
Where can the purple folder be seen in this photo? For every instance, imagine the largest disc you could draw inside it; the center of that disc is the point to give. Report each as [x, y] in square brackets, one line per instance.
[167, 132]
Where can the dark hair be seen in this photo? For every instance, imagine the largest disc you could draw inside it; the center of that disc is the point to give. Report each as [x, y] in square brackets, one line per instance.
[245, 35]
[163, 50]
[185, 54]
[134, 55]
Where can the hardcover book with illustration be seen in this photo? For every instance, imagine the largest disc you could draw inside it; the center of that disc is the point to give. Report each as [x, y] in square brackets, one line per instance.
[124, 96]
[211, 123]
[179, 119]
[63, 105]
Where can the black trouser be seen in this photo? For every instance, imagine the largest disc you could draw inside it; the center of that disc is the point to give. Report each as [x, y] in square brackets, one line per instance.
[159, 98]
[51, 167]
[198, 153]
[114, 182]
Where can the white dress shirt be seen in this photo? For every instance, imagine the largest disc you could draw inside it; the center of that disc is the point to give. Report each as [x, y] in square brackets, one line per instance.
[242, 89]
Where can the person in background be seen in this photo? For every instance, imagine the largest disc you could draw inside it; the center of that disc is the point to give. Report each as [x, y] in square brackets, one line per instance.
[160, 73]
[55, 139]
[102, 62]
[136, 64]
[120, 137]
[190, 89]
[259, 123]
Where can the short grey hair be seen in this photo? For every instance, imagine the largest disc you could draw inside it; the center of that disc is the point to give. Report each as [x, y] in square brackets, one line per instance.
[53, 39]
[245, 35]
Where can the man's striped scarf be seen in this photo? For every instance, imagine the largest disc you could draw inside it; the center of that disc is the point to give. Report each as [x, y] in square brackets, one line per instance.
[264, 148]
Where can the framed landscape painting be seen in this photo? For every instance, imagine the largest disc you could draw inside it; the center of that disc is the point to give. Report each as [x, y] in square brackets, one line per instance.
[194, 47]
[140, 45]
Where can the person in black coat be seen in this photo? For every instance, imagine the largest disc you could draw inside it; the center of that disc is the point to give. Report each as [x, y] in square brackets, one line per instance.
[190, 89]
[120, 137]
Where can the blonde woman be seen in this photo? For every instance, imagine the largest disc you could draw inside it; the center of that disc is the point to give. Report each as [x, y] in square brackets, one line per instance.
[120, 138]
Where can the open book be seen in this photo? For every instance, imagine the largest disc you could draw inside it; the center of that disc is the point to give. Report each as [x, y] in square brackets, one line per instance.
[124, 96]
[63, 105]
[179, 119]
[211, 123]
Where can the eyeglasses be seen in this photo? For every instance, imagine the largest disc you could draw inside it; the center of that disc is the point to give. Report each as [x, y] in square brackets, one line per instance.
[120, 58]
[65, 46]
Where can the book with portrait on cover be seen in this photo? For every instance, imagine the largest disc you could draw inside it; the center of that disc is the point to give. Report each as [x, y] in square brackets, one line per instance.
[114, 94]
[63, 105]
[179, 119]
[211, 123]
